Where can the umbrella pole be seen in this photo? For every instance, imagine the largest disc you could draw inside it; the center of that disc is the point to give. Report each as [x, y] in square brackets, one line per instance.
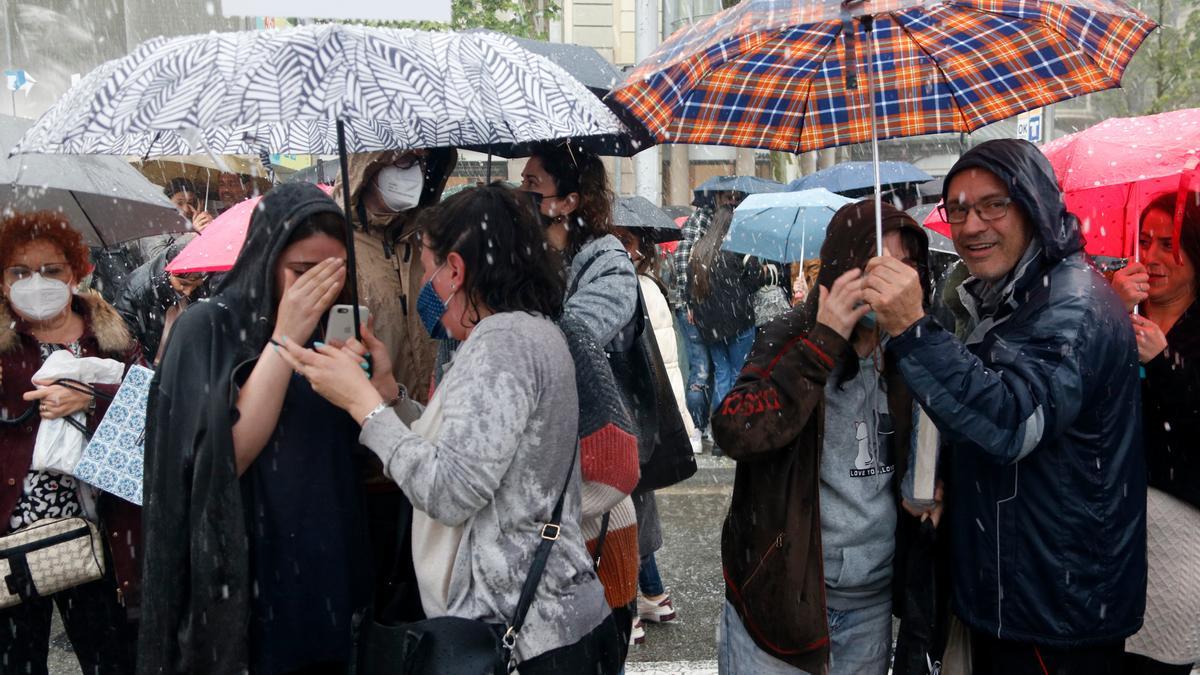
[351, 268]
[868, 24]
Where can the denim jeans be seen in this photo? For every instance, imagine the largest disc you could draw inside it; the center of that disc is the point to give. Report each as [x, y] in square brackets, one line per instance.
[860, 642]
[728, 357]
[649, 580]
[699, 386]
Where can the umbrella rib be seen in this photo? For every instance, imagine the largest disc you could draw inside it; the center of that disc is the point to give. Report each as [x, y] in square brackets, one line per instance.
[958, 106]
[103, 244]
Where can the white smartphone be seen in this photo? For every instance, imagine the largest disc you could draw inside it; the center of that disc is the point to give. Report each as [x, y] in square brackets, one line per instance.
[340, 325]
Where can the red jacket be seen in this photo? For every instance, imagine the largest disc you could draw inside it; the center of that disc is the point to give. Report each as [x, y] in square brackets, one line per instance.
[104, 335]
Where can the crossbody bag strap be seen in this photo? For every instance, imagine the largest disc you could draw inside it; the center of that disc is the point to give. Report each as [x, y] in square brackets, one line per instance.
[600, 540]
[549, 534]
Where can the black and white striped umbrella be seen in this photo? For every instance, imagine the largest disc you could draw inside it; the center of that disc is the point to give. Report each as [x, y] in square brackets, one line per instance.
[285, 91]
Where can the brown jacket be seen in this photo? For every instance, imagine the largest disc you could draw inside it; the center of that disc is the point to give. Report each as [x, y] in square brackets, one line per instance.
[772, 425]
[389, 280]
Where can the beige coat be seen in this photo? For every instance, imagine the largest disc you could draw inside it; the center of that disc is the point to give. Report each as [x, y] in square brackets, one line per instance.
[663, 322]
[389, 286]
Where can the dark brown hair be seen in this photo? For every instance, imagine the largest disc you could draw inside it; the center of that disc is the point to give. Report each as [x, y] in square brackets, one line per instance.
[502, 242]
[706, 250]
[577, 170]
[1189, 235]
[648, 250]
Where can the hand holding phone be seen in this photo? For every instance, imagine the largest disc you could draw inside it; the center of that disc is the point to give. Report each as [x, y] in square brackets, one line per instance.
[340, 325]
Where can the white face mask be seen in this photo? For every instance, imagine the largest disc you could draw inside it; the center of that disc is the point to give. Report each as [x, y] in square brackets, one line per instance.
[400, 189]
[37, 298]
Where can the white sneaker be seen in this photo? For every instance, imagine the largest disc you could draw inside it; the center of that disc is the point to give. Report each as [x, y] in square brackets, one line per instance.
[638, 635]
[656, 611]
[697, 441]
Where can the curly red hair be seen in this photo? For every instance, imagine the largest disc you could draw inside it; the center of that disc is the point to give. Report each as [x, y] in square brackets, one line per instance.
[21, 228]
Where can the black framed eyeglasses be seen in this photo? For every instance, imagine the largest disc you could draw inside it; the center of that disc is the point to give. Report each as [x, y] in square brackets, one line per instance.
[993, 208]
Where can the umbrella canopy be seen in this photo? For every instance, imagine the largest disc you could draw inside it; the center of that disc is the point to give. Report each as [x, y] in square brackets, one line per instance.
[1111, 171]
[854, 176]
[783, 227]
[285, 91]
[783, 75]
[218, 246]
[104, 198]
[750, 185]
[203, 171]
[582, 62]
[319, 89]
[599, 76]
[651, 222]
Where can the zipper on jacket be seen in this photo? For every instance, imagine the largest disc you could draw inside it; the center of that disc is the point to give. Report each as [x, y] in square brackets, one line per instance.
[775, 546]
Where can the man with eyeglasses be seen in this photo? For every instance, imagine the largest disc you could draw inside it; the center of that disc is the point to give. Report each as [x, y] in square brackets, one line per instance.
[1039, 413]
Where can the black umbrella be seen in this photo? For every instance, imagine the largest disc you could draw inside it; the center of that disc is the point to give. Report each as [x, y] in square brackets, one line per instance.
[599, 76]
[104, 198]
[652, 223]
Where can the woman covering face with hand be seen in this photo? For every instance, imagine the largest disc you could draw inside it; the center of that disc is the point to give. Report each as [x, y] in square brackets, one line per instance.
[254, 523]
[486, 461]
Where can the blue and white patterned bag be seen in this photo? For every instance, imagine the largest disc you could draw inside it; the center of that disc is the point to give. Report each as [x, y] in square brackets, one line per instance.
[113, 459]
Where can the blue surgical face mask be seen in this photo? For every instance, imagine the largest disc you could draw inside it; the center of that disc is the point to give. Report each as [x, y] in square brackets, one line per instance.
[432, 308]
[868, 320]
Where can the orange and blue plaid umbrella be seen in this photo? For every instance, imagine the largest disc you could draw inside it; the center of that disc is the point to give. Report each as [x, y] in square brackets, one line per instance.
[780, 74]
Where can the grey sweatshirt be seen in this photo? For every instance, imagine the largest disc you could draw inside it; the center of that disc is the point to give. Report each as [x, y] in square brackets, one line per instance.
[508, 431]
[606, 287]
[858, 508]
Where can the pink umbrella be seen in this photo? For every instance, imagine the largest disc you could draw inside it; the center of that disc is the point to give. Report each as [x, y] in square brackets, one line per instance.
[217, 248]
[1101, 217]
[1109, 172]
[935, 222]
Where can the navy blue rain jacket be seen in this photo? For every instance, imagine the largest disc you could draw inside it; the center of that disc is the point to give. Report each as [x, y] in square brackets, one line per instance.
[1040, 413]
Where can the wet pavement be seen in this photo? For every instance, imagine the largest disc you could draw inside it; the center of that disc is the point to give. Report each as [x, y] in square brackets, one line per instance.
[690, 565]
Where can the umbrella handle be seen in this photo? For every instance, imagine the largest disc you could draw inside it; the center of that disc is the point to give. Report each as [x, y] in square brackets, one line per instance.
[868, 23]
[351, 267]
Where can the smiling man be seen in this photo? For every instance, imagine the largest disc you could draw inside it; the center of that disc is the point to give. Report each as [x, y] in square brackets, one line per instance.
[1039, 408]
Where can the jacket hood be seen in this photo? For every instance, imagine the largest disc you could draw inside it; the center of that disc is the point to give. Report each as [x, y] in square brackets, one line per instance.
[249, 288]
[363, 166]
[103, 322]
[1032, 186]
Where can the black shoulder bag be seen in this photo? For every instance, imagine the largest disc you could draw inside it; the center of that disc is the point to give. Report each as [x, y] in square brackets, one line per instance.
[664, 449]
[451, 645]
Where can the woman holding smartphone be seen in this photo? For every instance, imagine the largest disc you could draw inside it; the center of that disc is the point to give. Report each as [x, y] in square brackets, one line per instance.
[256, 548]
